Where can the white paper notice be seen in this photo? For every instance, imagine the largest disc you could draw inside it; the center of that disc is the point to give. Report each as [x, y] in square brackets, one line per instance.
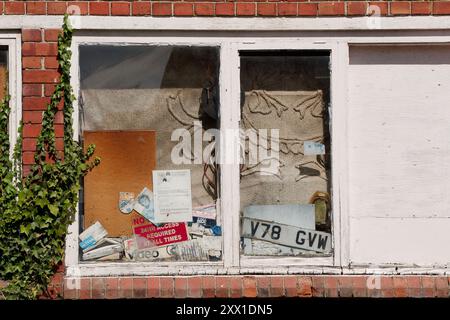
[311, 148]
[172, 195]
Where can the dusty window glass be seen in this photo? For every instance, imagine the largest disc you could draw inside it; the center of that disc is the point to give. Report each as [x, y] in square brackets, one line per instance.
[151, 111]
[285, 166]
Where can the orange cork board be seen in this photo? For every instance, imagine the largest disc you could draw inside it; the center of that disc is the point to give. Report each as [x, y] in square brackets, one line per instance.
[127, 161]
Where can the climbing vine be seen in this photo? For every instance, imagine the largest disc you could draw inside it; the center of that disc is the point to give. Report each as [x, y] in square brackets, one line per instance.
[36, 210]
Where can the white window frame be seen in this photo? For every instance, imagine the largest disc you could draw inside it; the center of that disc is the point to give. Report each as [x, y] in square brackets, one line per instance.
[289, 35]
[228, 204]
[13, 42]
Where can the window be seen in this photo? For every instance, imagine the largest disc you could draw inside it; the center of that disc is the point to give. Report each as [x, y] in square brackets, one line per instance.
[285, 172]
[208, 148]
[151, 111]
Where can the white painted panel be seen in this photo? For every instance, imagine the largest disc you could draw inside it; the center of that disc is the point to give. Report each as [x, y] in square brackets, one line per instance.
[411, 241]
[399, 154]
[399, 131]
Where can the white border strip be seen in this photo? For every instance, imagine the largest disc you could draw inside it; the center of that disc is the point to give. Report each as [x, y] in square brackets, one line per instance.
[232, 24]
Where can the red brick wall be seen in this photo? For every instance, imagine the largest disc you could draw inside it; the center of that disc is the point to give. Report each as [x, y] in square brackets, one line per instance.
[251, 286]
[40, 74]
[224, 8]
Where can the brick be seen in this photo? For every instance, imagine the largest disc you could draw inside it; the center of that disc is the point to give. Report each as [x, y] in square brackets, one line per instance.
[78, 8]
[112, 288]
[139, 287]
[180, 287]
[236, 287]
[276, 286]
[70, 294]
[428, 286]
[421, 8]
[40, 76]
[356, 8]
[31, 35]
[331, 9]
[28, 158]
[85, 286]
[400, 287]
[120, 8]
[14, 7]
[414, 286]
[59, 117]
[249, 286]
[345, 286]
[31, 62]
[35, 103]
[98, 288]
[442, 287]
[317, 286]
[39, 49]
[141, 8]
[266, 9]
[56, 7]
[57, 279]
[359, 286]
[51, 35]
[208, 287]
[49, 89]
[287, 9]
[125, 287]
[204, 9]
[400, 8]
[51, 63]
[36, 7]
[307, 9]
[290, 286]
[245, 9]
[222, 287]
[263, 285]
[29, 90]
[98, 8]
[225, 9]
[387, 286]
[32, 116]
[153, 288]
[304, 286]
[183, 9]
[162, 9]
[331, 286]
[166, 287]
[441, 7]
[378, 8]
[194, 287]
[26, 170]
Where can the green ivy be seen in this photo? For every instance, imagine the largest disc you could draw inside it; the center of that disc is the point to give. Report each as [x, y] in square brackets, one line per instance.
[36, 210]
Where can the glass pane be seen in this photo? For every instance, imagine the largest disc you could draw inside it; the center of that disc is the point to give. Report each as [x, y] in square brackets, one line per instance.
[285, 170]
[147, 109]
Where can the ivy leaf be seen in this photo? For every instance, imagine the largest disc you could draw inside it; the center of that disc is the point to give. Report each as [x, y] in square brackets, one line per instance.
[25, 229]
[54, 210]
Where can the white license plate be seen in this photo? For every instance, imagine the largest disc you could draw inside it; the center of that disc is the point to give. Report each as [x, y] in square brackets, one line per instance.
[286, 235]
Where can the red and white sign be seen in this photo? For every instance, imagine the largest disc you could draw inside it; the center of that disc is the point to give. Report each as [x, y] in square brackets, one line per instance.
[150, 235]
